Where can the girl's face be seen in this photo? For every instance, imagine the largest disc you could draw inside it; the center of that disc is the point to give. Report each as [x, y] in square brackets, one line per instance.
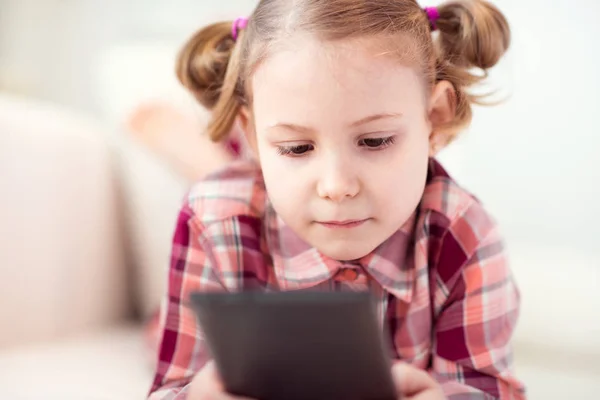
[342, 134]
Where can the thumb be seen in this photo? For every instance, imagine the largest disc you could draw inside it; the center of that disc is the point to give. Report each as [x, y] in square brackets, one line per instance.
[207, 380]
[208, 385]
[411, 381]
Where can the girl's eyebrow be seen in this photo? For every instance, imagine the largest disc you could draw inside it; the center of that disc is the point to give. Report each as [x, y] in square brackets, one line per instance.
[292, 127]
[362, 121]
[375, 117]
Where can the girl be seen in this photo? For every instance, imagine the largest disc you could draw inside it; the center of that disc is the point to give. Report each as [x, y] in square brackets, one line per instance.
[345, 104]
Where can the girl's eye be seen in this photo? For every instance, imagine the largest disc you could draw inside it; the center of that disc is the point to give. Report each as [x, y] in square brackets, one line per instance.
[294, 151]
[377, 143]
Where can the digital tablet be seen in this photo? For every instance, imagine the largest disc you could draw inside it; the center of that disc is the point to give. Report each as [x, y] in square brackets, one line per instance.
[297, 345]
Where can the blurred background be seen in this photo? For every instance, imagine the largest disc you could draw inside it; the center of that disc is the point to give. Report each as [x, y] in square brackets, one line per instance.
[90, 190]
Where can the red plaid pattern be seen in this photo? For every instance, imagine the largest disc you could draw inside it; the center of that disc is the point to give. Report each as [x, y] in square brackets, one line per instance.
[446, 293]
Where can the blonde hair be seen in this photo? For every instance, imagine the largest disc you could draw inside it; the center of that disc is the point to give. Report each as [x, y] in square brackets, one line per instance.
[471, 37]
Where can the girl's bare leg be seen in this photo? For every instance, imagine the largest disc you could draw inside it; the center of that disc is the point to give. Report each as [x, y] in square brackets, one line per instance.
[179, 139]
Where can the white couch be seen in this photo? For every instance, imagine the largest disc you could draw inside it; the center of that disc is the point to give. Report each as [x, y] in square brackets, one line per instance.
[84, 241]
[69, 286]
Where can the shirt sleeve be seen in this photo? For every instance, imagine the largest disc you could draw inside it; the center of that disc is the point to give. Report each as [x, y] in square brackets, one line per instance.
[472, 355]
[182, 352]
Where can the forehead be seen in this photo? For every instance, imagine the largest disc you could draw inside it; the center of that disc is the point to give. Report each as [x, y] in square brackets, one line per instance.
[312, 77]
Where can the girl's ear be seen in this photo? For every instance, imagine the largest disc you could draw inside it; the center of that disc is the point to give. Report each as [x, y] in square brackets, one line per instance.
[442, 109]
[244, 118]
[247, 126]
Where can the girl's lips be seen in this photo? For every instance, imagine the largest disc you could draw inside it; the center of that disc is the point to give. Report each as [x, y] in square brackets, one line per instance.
[347, 224]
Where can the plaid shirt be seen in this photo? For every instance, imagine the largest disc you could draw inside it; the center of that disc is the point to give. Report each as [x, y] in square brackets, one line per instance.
[445, 291]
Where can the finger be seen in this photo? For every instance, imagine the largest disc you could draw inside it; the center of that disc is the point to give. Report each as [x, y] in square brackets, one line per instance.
[209, 380]
[410, 380]
[213, 386]
[226, 396]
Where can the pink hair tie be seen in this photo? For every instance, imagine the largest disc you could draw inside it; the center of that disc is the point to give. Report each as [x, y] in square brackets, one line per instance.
[239, 24]
[433, 15]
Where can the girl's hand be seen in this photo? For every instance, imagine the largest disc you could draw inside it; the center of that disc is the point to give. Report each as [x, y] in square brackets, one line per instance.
[411, 384]
[415, 384]
[207, 385]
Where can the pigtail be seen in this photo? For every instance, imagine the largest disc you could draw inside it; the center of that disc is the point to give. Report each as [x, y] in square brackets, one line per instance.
[473, 36]
[208, 66]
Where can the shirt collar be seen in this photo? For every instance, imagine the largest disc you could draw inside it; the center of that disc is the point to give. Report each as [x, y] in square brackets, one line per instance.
[298, 265]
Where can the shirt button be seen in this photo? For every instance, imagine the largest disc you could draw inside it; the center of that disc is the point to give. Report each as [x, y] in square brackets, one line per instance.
[349, 275]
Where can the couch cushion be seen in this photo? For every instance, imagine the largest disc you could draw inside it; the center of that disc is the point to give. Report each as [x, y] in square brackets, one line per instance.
[113, 364]
[62, 261]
